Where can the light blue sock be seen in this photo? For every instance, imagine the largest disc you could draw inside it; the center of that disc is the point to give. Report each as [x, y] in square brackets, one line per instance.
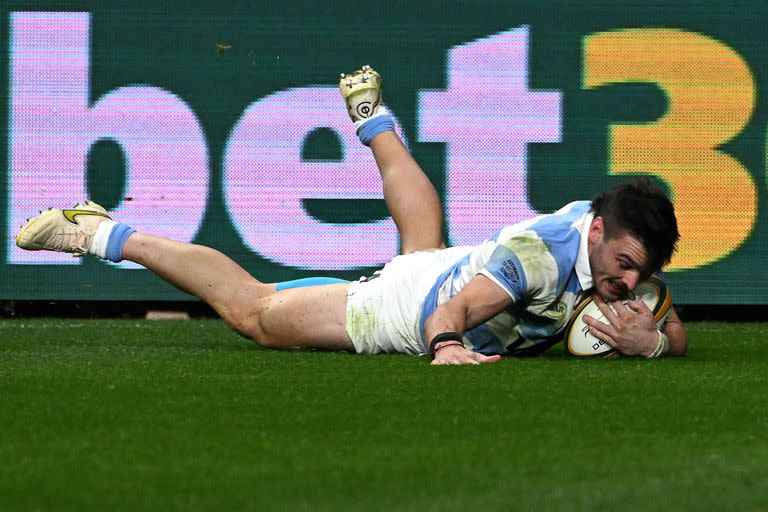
[116, 242]
[308, 281]
[375, 126]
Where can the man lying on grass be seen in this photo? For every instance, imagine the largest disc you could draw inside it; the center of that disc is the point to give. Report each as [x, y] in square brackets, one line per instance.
[511, 294]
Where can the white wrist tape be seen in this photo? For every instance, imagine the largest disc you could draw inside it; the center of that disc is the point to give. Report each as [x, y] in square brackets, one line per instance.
[662, 348]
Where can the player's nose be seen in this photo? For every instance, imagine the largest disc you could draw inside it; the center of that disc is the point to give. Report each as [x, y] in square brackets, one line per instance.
[631, 279]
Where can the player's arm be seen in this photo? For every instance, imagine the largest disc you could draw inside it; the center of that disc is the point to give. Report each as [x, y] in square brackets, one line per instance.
[480, 300]
[675, 332]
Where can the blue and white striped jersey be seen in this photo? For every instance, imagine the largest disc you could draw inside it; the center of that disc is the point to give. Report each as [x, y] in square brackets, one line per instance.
[541, 263]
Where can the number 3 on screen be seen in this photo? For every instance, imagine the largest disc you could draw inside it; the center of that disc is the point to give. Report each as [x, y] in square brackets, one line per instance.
[711, 95]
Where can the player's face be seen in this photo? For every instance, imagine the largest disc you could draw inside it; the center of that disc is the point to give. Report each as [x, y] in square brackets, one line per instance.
[617, 264]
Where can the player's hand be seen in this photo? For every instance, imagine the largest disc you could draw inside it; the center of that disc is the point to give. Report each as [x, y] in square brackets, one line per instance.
[632, 332]
[456, 354]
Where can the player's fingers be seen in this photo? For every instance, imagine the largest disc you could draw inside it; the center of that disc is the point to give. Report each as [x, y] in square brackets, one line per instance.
[638, 306]
[462, 360]
[598, 326]
[480, 358]
[603, 336]
[445, 362]
[620, 310]
[605, 309]
[594, 322]
[467, 357]
[457, 359]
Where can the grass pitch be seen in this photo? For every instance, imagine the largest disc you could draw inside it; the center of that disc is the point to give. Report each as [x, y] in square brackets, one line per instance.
[140, 415]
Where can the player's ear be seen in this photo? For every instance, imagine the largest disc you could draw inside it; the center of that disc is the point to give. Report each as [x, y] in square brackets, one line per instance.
[596, 230]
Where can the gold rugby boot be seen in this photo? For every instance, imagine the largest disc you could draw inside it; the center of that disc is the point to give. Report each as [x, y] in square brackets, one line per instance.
[57, 230]
[361, 91]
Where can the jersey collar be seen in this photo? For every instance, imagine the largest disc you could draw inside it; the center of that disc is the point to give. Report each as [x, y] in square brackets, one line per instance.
[583, 271]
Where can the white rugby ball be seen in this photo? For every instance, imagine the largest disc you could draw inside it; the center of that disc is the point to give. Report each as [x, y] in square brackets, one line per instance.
[580, 343]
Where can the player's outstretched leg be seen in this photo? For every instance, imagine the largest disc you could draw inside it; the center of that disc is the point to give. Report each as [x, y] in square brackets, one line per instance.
[410, 196]
[303, 317]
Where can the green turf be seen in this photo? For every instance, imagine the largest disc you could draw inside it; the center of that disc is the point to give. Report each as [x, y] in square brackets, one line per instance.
[140, 415]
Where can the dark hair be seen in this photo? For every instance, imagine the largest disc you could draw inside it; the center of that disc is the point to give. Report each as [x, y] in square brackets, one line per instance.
[644, 211]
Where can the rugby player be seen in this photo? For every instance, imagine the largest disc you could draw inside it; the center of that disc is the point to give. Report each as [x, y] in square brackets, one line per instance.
[511, 294]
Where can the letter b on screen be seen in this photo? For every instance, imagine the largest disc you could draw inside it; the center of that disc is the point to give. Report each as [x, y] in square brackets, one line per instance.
[53, 126]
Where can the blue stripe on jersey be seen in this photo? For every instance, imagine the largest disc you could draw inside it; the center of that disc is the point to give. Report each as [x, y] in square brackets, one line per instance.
[430, 301]
[457, 270]
[562, 244]
[483, 340]
[535, 329]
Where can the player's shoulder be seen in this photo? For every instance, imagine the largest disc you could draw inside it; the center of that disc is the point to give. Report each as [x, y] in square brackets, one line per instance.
[562, 230]
[554, 236]
[564, 219]
[567, 219]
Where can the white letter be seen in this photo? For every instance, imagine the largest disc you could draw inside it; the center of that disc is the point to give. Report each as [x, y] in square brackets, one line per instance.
[53, 127]
[265, 181]
[487, 116]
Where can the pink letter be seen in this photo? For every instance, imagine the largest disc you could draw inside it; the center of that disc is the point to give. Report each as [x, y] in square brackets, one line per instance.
[53, 126]
[265, 181]
[487, 116]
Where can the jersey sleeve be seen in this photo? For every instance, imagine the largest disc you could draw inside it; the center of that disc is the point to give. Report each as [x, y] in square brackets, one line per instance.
[522, 265]
[504, 269]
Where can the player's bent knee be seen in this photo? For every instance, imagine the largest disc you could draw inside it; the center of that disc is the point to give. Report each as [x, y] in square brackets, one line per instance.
[242, 320]
[251, 323]
[259, 334]
[313, 317]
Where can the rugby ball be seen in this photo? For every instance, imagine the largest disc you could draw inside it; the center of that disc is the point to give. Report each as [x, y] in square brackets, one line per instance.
[580, 343]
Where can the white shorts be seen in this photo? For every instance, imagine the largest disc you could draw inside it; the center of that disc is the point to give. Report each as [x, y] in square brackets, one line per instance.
[384, 310]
